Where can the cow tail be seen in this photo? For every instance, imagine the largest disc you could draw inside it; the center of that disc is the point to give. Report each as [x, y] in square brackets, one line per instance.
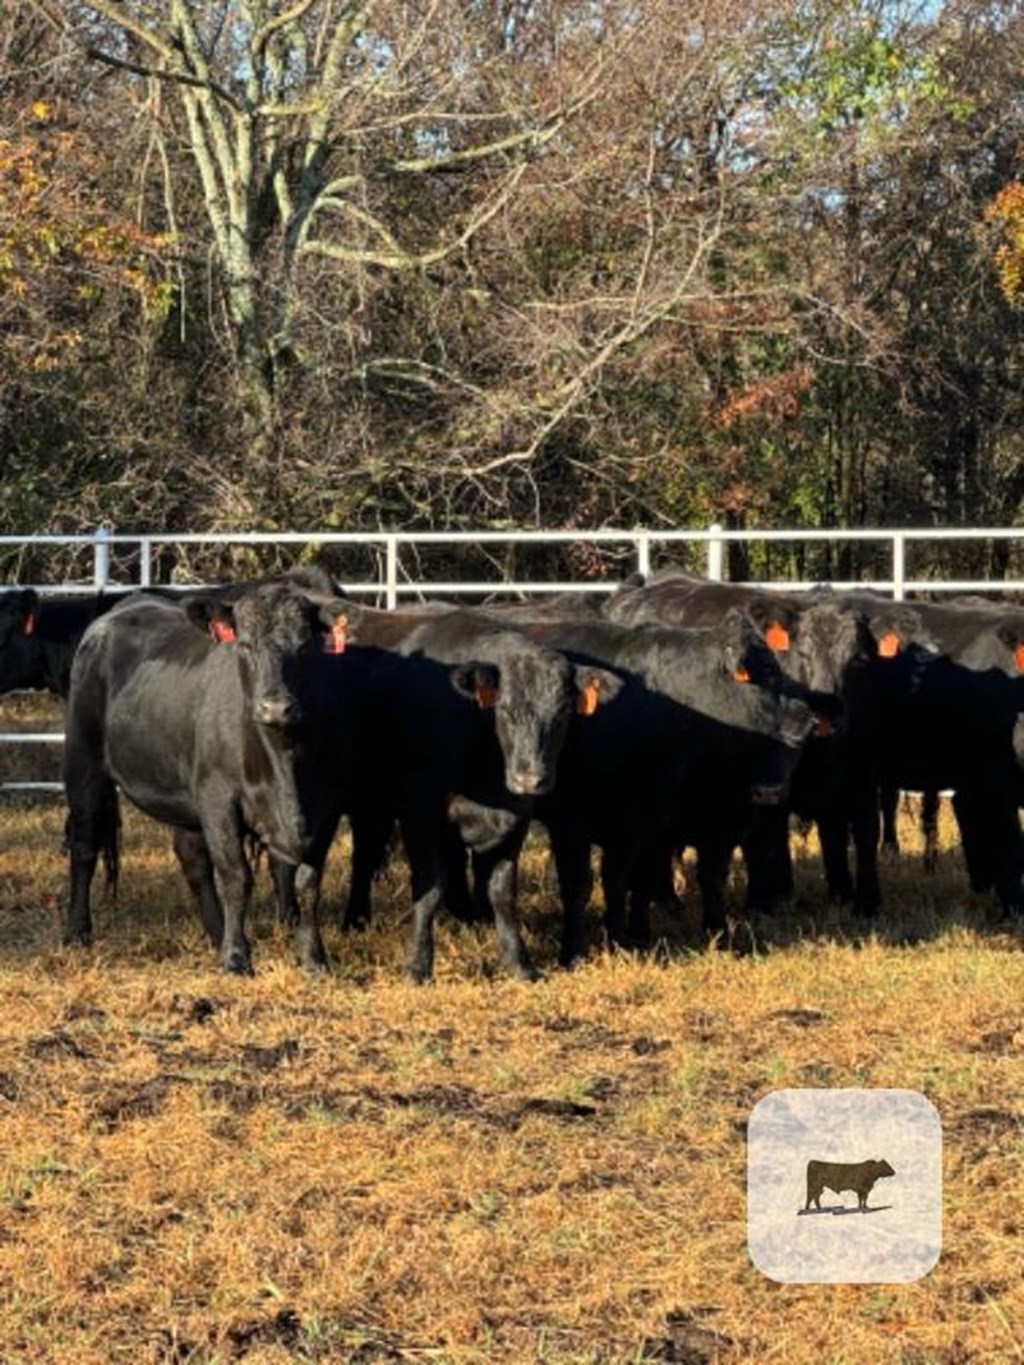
[109, 838]
[110, 843]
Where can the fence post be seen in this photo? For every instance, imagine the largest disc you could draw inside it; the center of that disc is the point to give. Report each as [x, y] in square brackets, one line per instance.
[899, 565]
[101, 558]
[145, 562]
[716, 554]
[643, 554]
[391, 572]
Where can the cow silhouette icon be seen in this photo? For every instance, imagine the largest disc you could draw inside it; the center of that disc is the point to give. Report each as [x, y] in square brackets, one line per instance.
[858, 1176]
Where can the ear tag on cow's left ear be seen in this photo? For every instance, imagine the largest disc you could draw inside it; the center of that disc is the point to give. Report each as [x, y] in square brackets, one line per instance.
[29, 625]
[222, 631]
[336, 639]
[486, 696]
[777, 637]
[588, 698]
[742, 674]
[889, 645]
[1018, 658]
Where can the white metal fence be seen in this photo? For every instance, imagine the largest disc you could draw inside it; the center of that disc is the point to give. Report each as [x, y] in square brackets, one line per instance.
[395, 579]
[125, 560]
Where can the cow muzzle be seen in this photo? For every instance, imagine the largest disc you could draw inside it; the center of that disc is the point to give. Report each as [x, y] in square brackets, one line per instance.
[529, 781]
[278, 712]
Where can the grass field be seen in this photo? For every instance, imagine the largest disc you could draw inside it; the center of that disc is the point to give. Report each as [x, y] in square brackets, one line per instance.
[195, 1168]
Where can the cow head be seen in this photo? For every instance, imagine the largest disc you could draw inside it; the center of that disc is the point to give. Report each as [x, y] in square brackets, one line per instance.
[19, 648]
[816, 645]
[533, 693]
[277, 632]
[773, 703]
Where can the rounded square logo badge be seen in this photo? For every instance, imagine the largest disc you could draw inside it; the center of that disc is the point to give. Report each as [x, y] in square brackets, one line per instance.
[844, 1186]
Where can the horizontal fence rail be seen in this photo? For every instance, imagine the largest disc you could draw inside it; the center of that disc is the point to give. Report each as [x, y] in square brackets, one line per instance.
[109, 560]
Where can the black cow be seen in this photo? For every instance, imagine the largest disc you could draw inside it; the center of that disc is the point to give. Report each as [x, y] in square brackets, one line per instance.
[978, 634]
[219, 740]
[39, 635]
[461, 724]
[826, 643]
[39, 632]
[951, 720]
[706, 726]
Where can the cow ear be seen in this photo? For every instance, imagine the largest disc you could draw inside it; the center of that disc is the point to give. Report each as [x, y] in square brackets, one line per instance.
[333, 620]
[214, 617]
[1013, 638]
[28, 608]
[775, 625]
[478, 682]
[893, 630]
[739, 630]
[594, 687]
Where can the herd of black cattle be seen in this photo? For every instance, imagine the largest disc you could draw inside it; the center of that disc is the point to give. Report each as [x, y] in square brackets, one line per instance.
[675, 713]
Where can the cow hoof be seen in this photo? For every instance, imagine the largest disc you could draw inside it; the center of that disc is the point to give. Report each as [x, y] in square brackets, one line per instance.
[355, 923]
[238, 964]
[525, 971]
[313, 961]
[309, 950]
[77, 939]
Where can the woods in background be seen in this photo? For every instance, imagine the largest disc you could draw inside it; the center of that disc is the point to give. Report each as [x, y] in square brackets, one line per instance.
[511, 262]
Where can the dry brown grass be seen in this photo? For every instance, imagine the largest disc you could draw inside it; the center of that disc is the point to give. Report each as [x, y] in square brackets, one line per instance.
[196, 1169]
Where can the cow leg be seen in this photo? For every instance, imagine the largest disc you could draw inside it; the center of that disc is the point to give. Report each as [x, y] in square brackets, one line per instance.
[712, 874]
[467, 906]
[309, 944]
[974, 839]
[930, 829]
[768, 859]
[645, 875]
[498, 870]
[994, 815]
[233, 879]
[283, 875]
[571, 852]
[425, 867]
[615, 885]
[834, 835]
[888, 801]
[190, 850]
[92, 829]
[865, 828]
[371, 834]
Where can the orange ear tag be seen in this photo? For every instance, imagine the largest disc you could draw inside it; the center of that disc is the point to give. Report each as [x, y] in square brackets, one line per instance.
[589, 699]
[29, 625]
[777, 637]
[1018, 658]
[222, 632]
[336, 640]
[889, 645]
[742, 675]
[486, 696]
